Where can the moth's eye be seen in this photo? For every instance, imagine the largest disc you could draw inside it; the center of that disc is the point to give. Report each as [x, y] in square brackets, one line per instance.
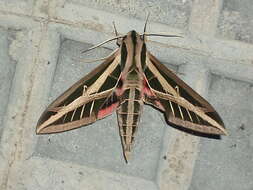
[123, 56]
[143, 56]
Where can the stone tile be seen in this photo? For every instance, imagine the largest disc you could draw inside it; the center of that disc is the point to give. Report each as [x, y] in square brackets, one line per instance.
[226, 163]
[236, 21]
[43, 173]
[47, 53]
[41, 8]
[20, 6]
[7, 71]
[175, 13]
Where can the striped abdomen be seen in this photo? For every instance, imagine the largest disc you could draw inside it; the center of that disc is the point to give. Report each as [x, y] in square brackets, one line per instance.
[128, 114]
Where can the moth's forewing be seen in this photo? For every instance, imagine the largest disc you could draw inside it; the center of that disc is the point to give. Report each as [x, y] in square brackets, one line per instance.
[89, 99]
[180, 103]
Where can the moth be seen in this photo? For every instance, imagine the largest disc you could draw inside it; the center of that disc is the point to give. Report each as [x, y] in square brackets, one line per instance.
[129, 78]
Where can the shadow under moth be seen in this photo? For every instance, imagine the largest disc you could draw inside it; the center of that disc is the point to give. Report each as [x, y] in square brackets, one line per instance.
[127, 79]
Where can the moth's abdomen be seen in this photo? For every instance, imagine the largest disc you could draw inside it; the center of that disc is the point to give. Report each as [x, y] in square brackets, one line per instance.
[128, 114]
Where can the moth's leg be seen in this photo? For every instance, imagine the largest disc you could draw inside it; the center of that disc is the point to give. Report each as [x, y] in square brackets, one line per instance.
[202, 108]
[177, 90]
[179, 107]
[92, 106]
[84, 88]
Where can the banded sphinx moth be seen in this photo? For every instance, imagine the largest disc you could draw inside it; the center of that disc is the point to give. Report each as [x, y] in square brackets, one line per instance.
[129, 78]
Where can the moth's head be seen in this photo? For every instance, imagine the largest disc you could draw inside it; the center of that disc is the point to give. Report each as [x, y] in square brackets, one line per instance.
[132, 34]
[131, 37]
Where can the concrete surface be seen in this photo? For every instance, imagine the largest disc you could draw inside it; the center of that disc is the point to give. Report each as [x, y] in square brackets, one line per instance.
[40, 44]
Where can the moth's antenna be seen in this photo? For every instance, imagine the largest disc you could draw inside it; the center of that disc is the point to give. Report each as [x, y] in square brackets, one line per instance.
[145, 26]
[94, 60]
[155, 34]
[89, 61]
[116, 33]
[163, 35]
[102, 43]
[115, 30]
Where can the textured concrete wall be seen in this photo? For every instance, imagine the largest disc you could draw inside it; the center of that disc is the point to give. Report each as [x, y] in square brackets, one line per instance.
[40, 43]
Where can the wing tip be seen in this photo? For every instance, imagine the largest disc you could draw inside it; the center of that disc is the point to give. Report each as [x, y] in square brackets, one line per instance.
[224, 132]
[39, 130]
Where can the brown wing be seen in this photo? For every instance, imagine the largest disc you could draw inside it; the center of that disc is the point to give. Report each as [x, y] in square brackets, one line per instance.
[180, 103]
[91, 98]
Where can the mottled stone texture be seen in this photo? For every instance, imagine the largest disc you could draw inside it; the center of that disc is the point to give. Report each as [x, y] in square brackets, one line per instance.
[236, 20]
[40, 57]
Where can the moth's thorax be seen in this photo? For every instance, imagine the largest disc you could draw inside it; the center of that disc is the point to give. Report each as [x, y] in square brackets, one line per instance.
[133, 55]
[133, 79]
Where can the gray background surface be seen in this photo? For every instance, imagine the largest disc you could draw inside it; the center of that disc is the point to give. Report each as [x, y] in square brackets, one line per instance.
[40, 56]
